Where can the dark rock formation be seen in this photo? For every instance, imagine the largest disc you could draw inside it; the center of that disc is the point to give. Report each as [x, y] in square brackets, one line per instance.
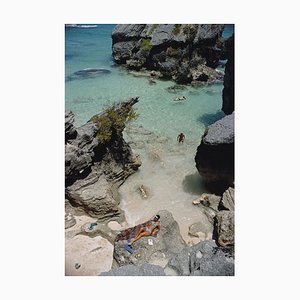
[228, 91]
[94, 169]
[215, 155]
[141, 270]
[167, 243]
[184, 52]
[70, 130]
[202, 259]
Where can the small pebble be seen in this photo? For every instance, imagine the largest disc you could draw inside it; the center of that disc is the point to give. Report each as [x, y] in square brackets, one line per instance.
[77, 266]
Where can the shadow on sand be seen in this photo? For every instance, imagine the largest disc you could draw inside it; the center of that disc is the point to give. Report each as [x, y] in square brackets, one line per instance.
[193, 184]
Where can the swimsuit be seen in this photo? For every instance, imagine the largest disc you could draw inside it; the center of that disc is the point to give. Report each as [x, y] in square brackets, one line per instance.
[148, 229]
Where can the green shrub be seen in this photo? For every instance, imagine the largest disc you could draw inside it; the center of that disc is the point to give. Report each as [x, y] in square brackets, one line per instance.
[111, 119]
[146, 44]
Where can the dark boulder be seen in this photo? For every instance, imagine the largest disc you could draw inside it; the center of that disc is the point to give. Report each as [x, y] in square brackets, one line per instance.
[215, 155]
[228, 91]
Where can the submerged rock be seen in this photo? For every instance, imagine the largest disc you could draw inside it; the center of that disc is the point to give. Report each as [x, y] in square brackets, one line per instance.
[87, 74]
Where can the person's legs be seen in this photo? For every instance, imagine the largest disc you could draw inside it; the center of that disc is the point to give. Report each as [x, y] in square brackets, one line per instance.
[143, 233]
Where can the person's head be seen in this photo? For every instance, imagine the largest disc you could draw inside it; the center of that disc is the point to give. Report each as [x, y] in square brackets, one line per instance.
[156, 217]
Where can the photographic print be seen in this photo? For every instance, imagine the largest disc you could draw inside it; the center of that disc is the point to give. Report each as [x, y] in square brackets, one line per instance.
[149, 150]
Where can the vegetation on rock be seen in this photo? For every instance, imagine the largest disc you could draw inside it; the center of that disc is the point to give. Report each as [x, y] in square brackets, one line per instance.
[113, 118]
[146, 44]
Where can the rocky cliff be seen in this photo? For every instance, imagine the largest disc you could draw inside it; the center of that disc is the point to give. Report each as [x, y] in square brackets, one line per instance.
[94, 168]
[183, 52]
[215, 155]
[228, 91]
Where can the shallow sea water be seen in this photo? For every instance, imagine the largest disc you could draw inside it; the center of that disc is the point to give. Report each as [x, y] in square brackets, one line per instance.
[168, 169]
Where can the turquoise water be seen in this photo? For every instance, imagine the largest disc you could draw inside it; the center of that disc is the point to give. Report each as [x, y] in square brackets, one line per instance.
[168, 169]
[91, 48]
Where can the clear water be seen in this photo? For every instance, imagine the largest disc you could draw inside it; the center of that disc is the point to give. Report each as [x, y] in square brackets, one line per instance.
[168, 168]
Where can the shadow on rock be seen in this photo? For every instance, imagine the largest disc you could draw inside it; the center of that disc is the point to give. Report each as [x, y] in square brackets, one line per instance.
[208, 119]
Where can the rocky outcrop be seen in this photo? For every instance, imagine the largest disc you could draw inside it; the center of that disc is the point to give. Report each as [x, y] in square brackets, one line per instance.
[225, 228]
[141, 270]
[202, 259]
[228, 91]
[215, 155]
[183, 52]
[224, 220]
[70, 130]
[153, 250]
[94, 168]
[227, 201]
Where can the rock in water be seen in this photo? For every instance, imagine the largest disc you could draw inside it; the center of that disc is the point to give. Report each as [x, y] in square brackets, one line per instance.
[87, 74]
[183, 52]
[215, 155]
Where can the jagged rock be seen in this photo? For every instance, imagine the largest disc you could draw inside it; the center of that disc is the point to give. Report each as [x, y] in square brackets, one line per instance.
[131, 270]
[167, 243]
[126, 32]
[69, 215]
[94, 169]
[175, 50]
[94, 194]
[228, 91]
[215, 155]
[227, 201]
[70, 130]
[202, 259]
[225, 228]
[123, 51]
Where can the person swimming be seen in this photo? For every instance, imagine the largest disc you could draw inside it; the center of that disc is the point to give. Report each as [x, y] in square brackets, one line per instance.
[180, 138]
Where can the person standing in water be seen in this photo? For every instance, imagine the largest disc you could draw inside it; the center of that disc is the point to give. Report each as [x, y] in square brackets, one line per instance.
[181, 138]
